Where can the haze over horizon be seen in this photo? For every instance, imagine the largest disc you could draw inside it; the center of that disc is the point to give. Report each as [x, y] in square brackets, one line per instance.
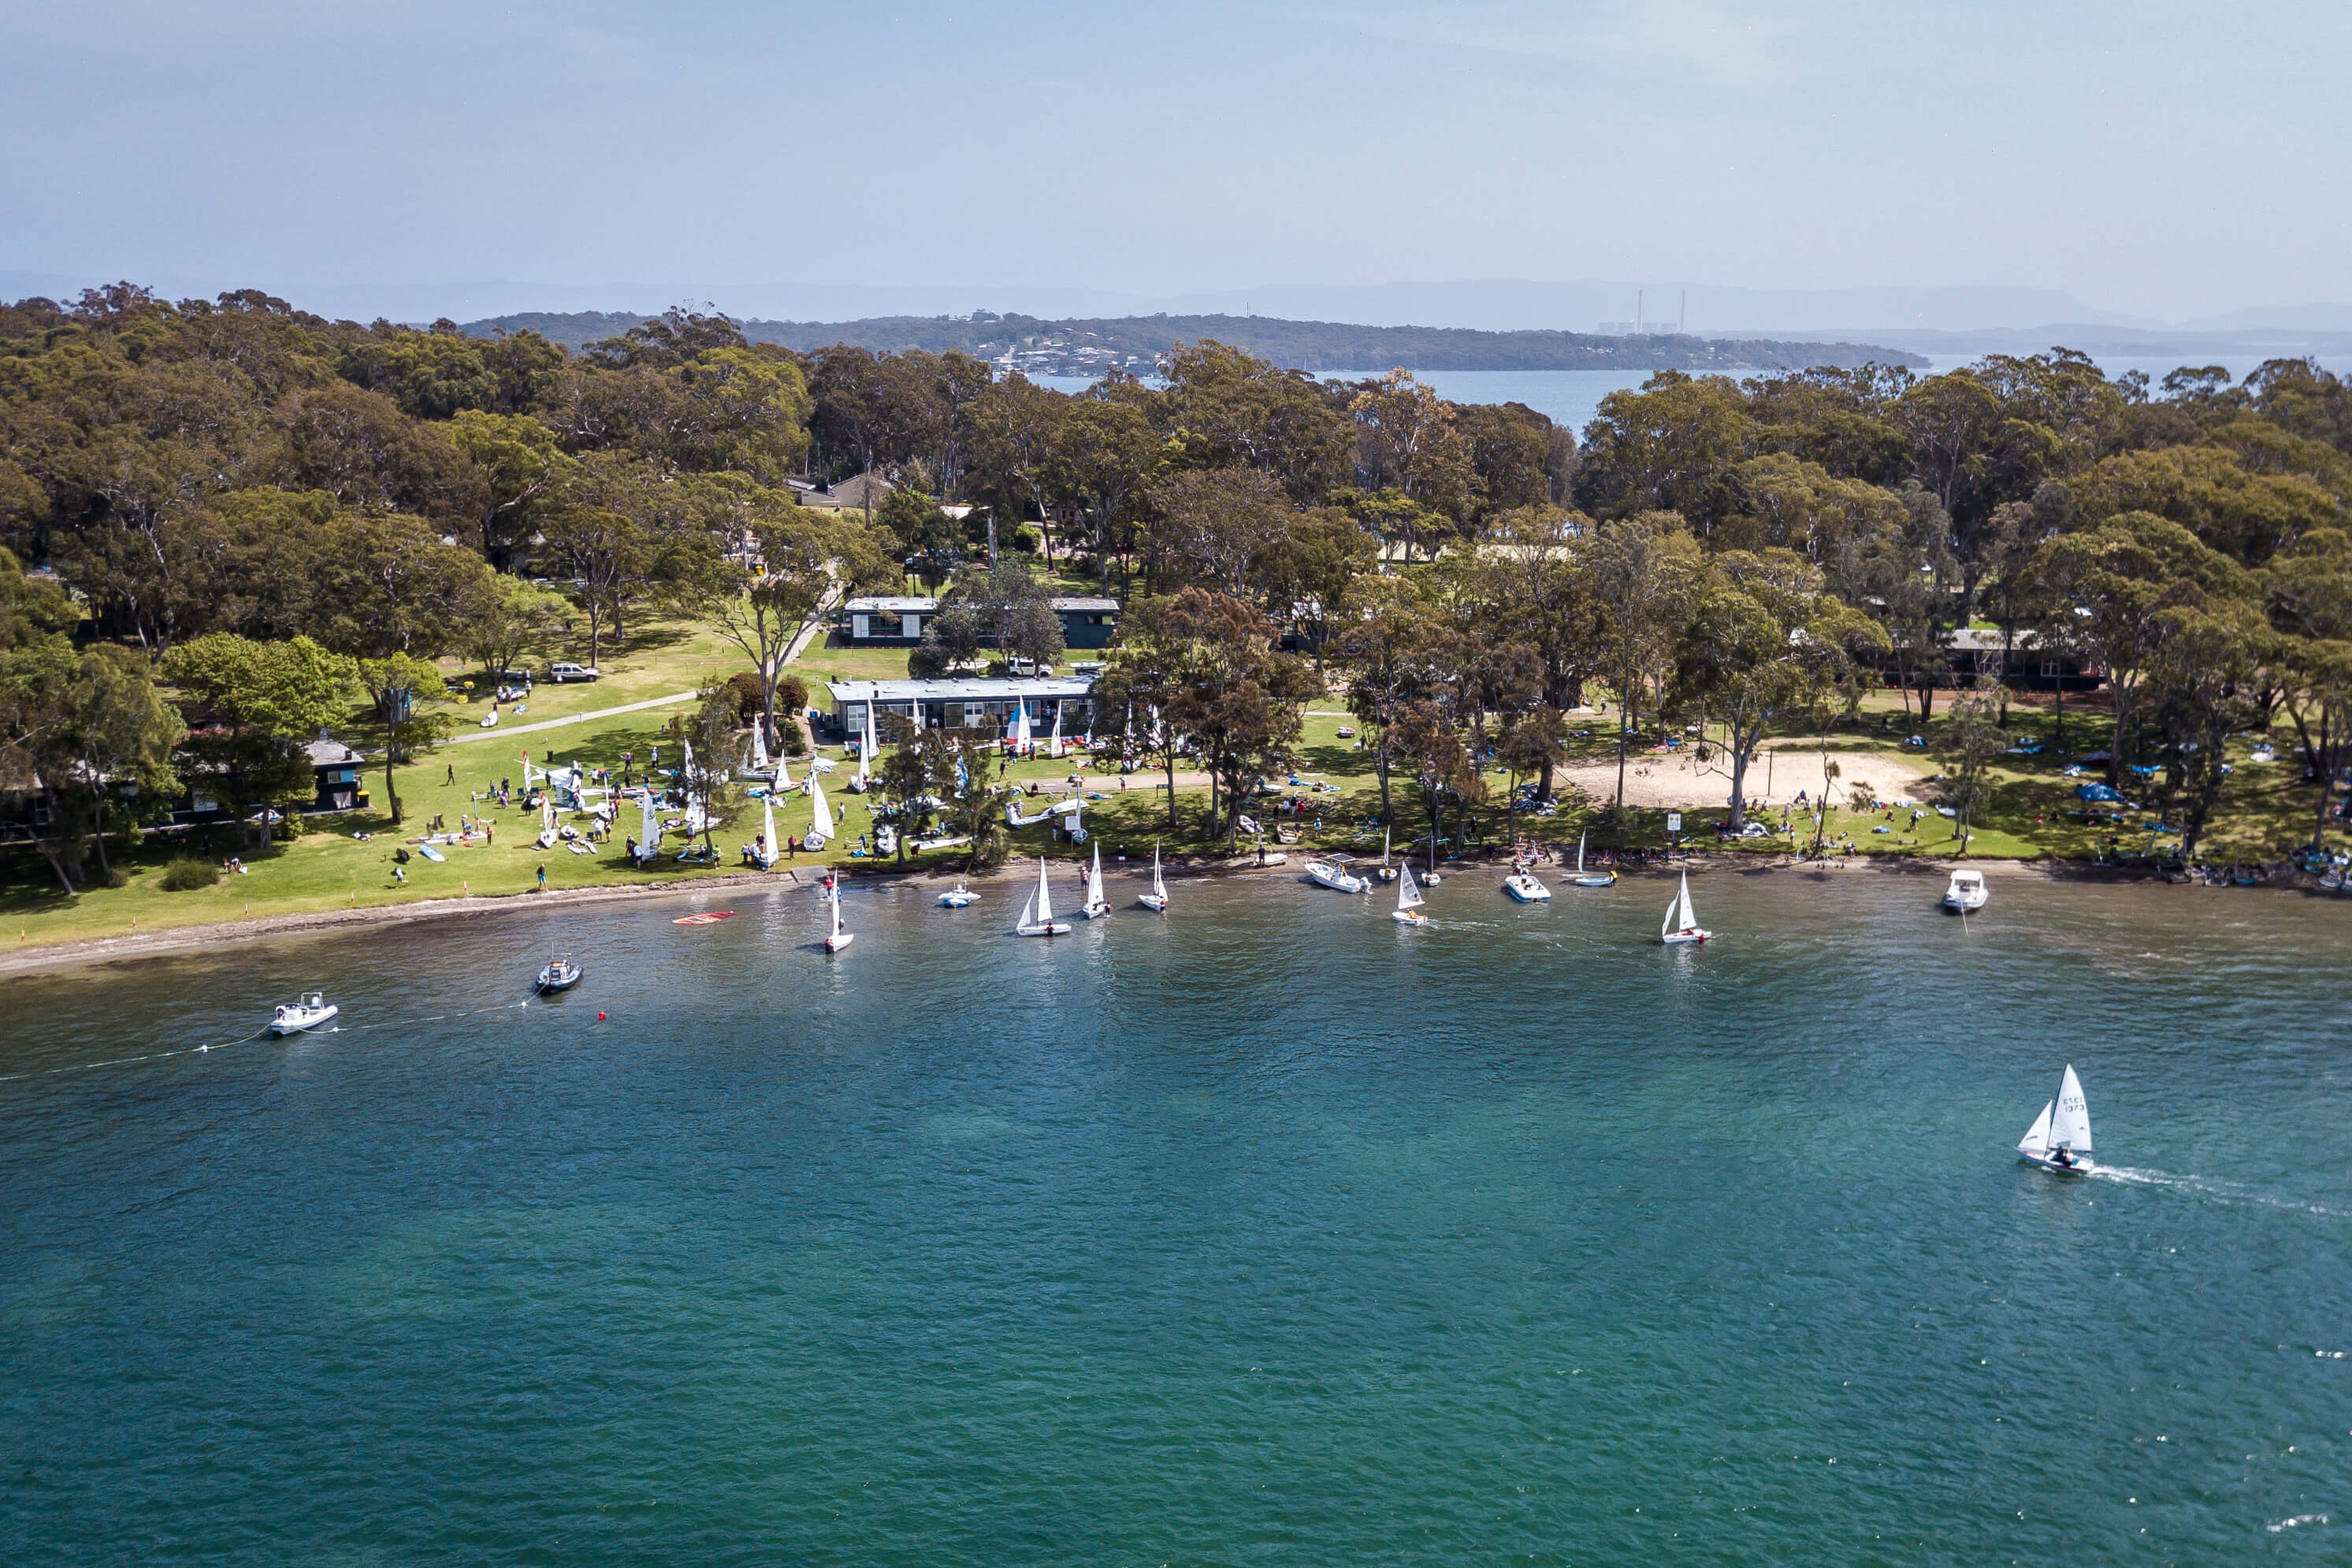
[1822, 166]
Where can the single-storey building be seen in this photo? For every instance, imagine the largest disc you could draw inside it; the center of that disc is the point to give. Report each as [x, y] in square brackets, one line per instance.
[1971, 652]
[965, 703]
[883, 620]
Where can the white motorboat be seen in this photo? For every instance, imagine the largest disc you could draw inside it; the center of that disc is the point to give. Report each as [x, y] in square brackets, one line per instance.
[1965, 891]
[1095, 906]
[1408, 910]
[308, 1013]
[560, 975]
[1523, 885]
[1581, 877]
[1330, 874]
[1037, 914]
[1682, 925]
[2060, 1139]
[958, 897]
[1158, 898]
[840, 937]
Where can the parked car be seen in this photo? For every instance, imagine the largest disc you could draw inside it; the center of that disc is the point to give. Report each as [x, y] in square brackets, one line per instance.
[560, 673]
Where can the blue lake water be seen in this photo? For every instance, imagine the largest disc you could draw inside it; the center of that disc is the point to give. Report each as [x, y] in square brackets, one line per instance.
[1266, 1233]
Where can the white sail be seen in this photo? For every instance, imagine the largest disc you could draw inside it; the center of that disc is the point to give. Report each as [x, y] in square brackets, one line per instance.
[865, 751]
[822, 825]
[783, 772]
[1044, 895]
[1093, 881]
[768, 849]
[1053, 742]
[1666, 927]
[1408, 891]
[833, 888]
[1579, 854]
[1020, 734]
[2069, 1125]
[760, 744]
[1384, 844]
[649, 827]
[1159, 887]
[1028, 907]
[1689, 917]
[2036, 1141]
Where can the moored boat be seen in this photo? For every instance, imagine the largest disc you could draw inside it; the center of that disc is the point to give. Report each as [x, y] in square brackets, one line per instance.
[558, 975]
[307, 1012]
[1965, 891]
[1329, 873]
[1156, 900]
[1522, 885]
[958, 897]
[1581, 877]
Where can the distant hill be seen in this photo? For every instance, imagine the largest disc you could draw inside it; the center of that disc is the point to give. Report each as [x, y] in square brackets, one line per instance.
[1137, 343]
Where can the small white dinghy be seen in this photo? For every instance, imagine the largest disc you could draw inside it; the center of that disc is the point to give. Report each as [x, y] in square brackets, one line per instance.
[312, 1010]
[1584, 879]
[958, 897]
[819, 831]
[1965, 891]
[1095, 906]
[1156, 900]
[1408, 910]
[1682, 925]
[2060, 1139]
[1522, 885]
[1037, 914]
[840, 937]
[1330, 874]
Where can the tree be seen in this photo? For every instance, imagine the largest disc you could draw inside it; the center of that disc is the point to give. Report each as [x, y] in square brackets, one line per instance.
[521, 464]
[1102, 454]
[2309, 590]
[2113, 585]
[1432, 744]
[1238, 698]
[1213, 527]
[1971, 739]
[1395, 649]
[1407, 441]
[2204, 664]
[1647, 570]
[502, 618]
[406, 691]
[264, 701]
[1004, 605]
[807, 560]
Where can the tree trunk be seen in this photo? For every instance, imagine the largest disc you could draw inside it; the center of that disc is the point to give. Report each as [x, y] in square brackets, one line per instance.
[391, 793]
[97, 830]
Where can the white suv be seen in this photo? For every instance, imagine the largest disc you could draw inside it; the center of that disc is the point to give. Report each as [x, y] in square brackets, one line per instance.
[559, 673]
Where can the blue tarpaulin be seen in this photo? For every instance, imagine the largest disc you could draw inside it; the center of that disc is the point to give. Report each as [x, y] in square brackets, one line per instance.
[2097, 792]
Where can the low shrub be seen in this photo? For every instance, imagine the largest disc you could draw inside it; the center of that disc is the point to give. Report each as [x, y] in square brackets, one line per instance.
[187, 873]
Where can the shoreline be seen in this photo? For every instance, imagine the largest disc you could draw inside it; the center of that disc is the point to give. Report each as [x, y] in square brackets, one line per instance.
[133, 945]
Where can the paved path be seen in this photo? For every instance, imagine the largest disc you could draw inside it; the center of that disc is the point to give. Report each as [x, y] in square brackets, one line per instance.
[479, 733]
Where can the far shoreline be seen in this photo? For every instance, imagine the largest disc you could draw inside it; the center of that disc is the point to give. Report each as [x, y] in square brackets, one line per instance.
[134, 945]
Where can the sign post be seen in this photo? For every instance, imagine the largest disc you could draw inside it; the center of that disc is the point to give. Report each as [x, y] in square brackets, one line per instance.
[1674, 828]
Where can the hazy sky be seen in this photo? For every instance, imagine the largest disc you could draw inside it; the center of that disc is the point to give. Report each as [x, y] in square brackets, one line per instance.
[2153, 156]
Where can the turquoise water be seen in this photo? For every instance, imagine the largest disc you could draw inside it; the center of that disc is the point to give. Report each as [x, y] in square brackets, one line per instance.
[1269, 1233]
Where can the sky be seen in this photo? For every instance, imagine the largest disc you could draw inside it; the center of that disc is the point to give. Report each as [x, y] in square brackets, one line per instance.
[2151, 159]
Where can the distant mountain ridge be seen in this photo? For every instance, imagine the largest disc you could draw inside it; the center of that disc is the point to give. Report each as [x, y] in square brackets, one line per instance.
[1135, 344]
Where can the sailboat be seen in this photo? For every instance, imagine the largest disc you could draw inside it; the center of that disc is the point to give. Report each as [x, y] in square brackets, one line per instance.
[1158, 898]
[1388, 872]
[760, 744]
[1053, 741]
[1408, 910]
[547, 834]
[864, 755]
[648, 824]
[840, 937]
[1037, 914]
[1681, 922]
[770, 848]
[2059, 1138]
[1095, 906]
[784, 772]
[821, 828]
[1583, 878]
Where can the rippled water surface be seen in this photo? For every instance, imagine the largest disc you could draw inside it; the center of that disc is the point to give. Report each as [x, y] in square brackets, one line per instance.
[1269, 1233]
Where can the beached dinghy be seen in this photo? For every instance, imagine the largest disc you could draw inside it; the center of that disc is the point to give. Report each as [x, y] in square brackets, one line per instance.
[819, 831]
[1965, 891]
[1037, 914]
[2060, 1139]
[1156, 898]
[560, 975]
[292, 1018]
[1329, 873]
[1095, 906]
[1682, 925]
[1584, 879]
[1409, 900]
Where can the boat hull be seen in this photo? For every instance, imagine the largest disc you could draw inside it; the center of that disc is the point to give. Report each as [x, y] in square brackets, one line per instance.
[1962, 905]
[1409, 918]
[835, 943]
[1156, 902]
[1609, 882]
[1688, 938]
[281, 1027]
[1056, 929]
[2083, 1167]
[1095, 912]
[1528, 890]
[555, 985]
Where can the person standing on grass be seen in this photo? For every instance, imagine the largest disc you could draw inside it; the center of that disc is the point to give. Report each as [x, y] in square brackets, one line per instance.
[543, 878]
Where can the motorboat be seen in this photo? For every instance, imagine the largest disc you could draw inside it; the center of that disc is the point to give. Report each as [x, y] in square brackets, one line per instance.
[1330, 874]
[1408, 910]
[1037, 914]
[840, 937]
[1522, 885]
[1965, 891]
[1095, 906]
[958, 897]
[308, 1012]
[1156, 900]
[560, 975]
[2060, 1139]
[1581, 878]
[1681, 927]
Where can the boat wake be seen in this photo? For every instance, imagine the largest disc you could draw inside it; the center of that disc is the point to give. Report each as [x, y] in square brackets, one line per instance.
[2209, 1187]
